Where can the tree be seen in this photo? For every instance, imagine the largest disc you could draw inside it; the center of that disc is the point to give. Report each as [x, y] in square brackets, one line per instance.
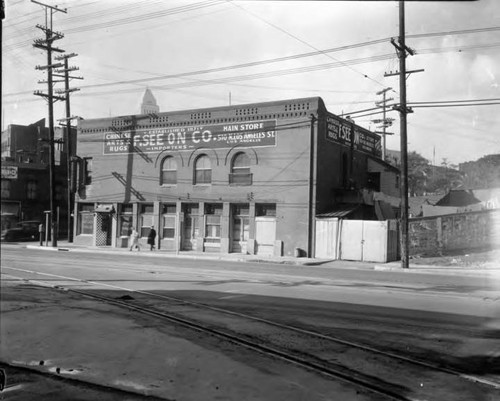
[418, 171]
[483, 173]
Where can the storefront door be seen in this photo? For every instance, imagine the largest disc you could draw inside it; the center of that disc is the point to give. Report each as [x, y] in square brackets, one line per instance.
[265, 235]
[240, 234]
[240, 228]
[103, 229]
[190, 230]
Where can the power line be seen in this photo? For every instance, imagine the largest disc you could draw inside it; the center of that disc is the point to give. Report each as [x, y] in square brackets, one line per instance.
[457, 101]
[306, 43]
[454, 105]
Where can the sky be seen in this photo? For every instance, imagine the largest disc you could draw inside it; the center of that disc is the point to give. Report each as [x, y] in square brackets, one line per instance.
[200, 54]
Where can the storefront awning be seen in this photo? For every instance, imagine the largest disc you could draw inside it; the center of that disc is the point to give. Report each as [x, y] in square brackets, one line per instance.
[104, 208]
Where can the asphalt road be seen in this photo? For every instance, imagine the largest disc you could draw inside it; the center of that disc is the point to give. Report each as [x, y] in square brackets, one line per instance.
[421, 313]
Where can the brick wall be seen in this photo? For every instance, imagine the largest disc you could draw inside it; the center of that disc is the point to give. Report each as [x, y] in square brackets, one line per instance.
[441, 234]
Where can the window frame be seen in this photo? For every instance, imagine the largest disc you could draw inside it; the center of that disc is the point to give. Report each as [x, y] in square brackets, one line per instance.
[173, 171]
[6, 188]
[206, 176]
[240, 175]
[169, 221]
[146, 219]
[85, 211]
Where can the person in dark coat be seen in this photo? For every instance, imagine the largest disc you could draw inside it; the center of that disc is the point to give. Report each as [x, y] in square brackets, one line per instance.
[151, 238]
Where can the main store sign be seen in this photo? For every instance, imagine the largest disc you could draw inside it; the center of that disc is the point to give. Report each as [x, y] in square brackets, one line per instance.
[152, 140]
[347, 134]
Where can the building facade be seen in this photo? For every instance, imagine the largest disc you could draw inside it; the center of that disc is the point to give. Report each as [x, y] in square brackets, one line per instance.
[245, 179]
[25, 181]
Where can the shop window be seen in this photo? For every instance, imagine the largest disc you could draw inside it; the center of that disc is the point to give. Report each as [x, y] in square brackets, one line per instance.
[168, 171]
[213, 215]
[146, 219]
[125, 220]
[169, 219]
[86, 218]
[6, 187]
[265, 209]
[31, 189]
[240, 170]
[202, 170]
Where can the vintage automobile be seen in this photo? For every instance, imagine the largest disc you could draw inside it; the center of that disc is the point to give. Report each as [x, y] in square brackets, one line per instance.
[23, 231]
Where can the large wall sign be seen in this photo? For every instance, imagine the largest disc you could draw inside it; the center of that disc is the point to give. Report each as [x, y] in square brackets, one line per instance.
[347, 134]
[152, 140]
[9, 172]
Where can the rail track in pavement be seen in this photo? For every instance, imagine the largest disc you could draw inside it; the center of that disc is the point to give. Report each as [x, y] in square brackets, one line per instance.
[387, 374]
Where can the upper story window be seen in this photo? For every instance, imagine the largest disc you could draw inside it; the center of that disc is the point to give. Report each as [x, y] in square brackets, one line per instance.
[87, 177]
[168, 171]
[59, 192]
[31, 187]
[6, 189]
[202, 170]
[240, 170]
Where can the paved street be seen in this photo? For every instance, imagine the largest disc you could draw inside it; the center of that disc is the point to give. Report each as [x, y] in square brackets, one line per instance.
[354, 300]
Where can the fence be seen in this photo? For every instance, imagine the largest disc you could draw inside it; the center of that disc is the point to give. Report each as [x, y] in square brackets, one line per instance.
[430, 236]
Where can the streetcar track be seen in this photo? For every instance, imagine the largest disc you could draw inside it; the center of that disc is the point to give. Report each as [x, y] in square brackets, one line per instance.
[364, 380]
[417, 362]
[265, 350]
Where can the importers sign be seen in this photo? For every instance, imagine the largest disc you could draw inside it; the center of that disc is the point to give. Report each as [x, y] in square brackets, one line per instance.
[217, 136]
[9, 172]
[348, 134]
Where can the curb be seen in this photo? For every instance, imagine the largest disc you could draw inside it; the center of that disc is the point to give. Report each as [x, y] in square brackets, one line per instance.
[390, 267]
[441, 270]
[249, 259]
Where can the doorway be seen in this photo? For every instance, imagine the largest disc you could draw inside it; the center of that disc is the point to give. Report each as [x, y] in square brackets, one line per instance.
[190, 230]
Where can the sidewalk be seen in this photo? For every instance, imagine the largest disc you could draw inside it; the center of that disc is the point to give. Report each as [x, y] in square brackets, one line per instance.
[490, 269]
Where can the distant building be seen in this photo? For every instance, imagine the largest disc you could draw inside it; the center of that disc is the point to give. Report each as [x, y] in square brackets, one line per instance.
[149, 105]
[25, 188]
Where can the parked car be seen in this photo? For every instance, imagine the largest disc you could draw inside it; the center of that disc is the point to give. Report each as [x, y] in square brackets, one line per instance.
[24, 231]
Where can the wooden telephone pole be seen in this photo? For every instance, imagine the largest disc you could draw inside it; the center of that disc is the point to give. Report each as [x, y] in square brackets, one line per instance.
[69, 144]
[47, 45]
[402, 51]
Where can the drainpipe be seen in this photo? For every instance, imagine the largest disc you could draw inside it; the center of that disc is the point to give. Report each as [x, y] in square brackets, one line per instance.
[311, 203]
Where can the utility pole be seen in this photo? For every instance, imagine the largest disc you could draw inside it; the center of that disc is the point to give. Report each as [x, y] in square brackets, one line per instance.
[67, 90]
[46, 44]
[402, 51]
[386, 122]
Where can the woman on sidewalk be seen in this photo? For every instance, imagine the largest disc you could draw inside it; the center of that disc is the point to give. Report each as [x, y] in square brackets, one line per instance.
[134, 240]
[151, 238]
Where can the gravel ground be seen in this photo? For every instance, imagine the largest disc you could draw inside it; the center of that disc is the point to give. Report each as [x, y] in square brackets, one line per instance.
[482, 259]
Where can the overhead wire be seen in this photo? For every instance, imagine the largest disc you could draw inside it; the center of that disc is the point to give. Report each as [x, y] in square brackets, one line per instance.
[303, 41]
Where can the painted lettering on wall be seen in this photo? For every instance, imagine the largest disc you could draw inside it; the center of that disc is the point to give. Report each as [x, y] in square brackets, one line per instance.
[257, 133]
[341, 131]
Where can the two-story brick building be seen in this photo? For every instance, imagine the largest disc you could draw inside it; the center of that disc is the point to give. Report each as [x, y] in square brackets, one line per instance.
[246, 178]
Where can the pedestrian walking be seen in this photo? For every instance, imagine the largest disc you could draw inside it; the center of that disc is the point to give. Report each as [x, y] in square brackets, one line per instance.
[134, 240]
[151, 238]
